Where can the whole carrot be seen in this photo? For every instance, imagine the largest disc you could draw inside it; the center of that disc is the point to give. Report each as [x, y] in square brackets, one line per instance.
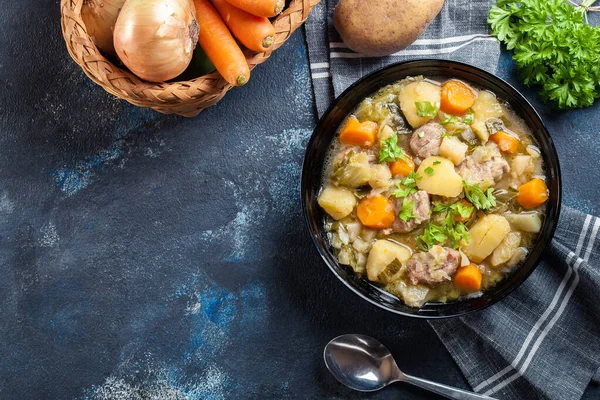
[220, 47]
[262, 8]
[256, 33]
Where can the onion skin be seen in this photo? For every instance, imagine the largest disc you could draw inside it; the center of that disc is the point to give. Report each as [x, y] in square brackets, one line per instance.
[99, 17]
[155, 39]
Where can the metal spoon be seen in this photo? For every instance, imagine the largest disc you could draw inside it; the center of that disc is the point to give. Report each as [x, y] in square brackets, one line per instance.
[364, 364]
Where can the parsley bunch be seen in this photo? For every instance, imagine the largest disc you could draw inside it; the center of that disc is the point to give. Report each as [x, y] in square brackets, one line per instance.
[553, 47]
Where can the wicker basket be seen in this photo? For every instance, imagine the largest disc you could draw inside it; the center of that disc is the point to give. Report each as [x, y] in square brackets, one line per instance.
[187, 98]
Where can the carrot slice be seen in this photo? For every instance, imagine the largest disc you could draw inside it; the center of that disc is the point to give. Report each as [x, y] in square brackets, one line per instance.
[376, 212]
[533, 193]
[262, 8]
[220, 47]
[256, 33]
[506, 142]
[357, 133]
[468, 278]
[457, 97]
[402, 167]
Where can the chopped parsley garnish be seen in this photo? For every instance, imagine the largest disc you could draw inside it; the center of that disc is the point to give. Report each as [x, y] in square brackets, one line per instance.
[432, 235]
[462, 210]
[469, 118]
[427, 109]
[437, 162]
[457, 232]
[403, 192]
[450, 230]
[429, 171]
[406, 213]
[481, 200]
[441, 207]
[407, 186]
[458, 208]
[449, 119]
[390, 151]
[411, 179]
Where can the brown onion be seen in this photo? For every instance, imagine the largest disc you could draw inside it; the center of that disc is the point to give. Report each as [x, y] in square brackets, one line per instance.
[155, 39]
[99, 17]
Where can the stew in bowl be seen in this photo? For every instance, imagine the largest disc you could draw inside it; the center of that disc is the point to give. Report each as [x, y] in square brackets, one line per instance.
[434, 190]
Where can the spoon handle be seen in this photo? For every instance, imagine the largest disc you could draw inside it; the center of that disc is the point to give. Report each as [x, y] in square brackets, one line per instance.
[446, 391]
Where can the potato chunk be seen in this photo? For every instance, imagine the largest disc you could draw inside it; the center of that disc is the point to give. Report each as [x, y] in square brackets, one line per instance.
[480, 130]
[416, 92]
[386, 260]
[526, 221]
[381, 176]
[439, 177]
[453, 149]
[521, 165]
[486, 234]
[506, 250]
[486, 106]
[337, 201]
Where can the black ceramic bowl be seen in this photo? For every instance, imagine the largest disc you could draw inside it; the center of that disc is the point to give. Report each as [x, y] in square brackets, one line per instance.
[325, 132]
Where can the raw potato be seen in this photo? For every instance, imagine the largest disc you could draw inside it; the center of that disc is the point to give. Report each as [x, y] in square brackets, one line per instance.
[453, 149]
[486, 106]
[486, 234]
[383, 27]
[382, 255]
[444, 181]
[416, 92]
[507, 249]
[526, 221]
[337, 201]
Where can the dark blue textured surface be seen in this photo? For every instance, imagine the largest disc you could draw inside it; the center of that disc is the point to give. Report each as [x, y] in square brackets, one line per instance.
[147, 256]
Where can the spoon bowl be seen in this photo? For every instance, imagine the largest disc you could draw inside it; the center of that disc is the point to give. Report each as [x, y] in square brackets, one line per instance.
[366, 365]
[360, 362]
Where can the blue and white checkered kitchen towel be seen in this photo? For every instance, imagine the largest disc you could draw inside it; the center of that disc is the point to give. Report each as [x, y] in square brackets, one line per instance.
[543, 341]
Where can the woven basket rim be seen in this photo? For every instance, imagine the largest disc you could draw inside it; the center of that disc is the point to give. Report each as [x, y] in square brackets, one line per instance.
[188, 97]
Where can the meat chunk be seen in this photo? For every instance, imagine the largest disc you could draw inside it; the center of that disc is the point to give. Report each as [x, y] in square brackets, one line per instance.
[435, 266]
[427, 139]
[420, 211]
[486, 164]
